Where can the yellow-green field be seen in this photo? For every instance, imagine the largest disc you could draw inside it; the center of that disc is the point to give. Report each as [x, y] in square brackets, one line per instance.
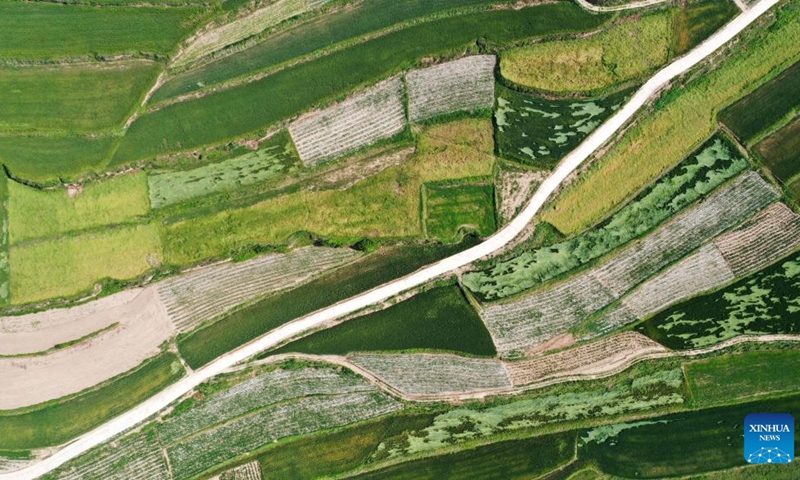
[683, 120]
[70, 265]
[622, 52]
[108, 202]
[385, 205]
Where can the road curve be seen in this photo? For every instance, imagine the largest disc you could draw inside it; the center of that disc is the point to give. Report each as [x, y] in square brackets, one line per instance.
[616, 8]
[574, 159]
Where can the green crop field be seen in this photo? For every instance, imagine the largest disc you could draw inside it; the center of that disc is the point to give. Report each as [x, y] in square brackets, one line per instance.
[514, 459]
[781, 152]
[766, 106]
[248, 323]
[682, 120]
[247, 108]
[56, 422]
[766, 302]
[4, 265]
[731, 377]
[714, 163]
[72, 98]
[47, 30]
[48, 158]
[622, 52]
[449, 208]
[316, 34]
[439, 319]
[117, 200]
[71, 265]
[273, 159]
[696, 20]
[539, 132]
[682, 443]
[386, 205]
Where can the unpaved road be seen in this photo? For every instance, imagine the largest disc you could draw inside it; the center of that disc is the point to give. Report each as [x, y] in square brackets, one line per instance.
[599, 137]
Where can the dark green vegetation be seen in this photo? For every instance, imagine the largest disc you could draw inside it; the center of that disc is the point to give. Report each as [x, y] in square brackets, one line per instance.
[514, 459]
[239, 110]
[56, 422]
[682, 443]
[318, 33]
[781, 152]
[539, 132]
[732, 377]
[439, 319]
[697, 20]
[766, 302]
[248, 323]
[334, 452]
[449, 208]
[74, 99]
[4, 266]
[44, 159]
[764, 107]
[713, 163]
[44, 30]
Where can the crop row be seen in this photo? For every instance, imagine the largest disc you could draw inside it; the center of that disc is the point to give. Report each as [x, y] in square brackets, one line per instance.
[546, 313]
[420, 374]
[209, 292]
[217, 38]
[134, 456]
[466, 84]
[296, 417]
[248, 471]
[614, 348]
[361, 120]
[263, 390]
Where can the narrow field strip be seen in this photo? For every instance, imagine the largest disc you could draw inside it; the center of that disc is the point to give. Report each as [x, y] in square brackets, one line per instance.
[209, 292]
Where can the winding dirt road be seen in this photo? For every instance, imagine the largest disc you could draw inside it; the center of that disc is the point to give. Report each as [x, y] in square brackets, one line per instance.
[572, 161]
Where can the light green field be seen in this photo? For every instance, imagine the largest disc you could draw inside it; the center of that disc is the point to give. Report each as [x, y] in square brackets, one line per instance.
[449, 208]
[682, 120]
[385, 205]
[72, 98]
[108, 202]
[71, 265]
[733, 377]
[4, 271]
[44, 30]
[48, 158]
[622, 52]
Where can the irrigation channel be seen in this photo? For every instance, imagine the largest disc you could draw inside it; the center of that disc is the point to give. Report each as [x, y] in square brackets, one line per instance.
[572, 161]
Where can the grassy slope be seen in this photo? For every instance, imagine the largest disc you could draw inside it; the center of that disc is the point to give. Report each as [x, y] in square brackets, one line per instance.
[318, 33]
[734, 377]
[681, 122]
[622, 52]
[448, 208]
[72, 98]
[70, 265]
[385, 205]
[46, 159]
[439, 319]
[109, 202]
[237, 111]
[46, 30]
[248, 323]
[56, 422]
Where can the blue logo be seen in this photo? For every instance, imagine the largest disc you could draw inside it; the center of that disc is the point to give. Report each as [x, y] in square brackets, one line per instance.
[769, 438]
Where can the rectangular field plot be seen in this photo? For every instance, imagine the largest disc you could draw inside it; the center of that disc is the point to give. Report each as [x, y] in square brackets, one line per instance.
[460, 85]
[206, 293]
[742, 375]
[361, 120]
[274, 159]
[449, 208]
[426, 374]
[438, 319]
[714, 163]
[47, 30]
[53, 158]
[537, 131]
[70, 265]
[113, 201]
[764, 107]
[781, 151]
[72, 98]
